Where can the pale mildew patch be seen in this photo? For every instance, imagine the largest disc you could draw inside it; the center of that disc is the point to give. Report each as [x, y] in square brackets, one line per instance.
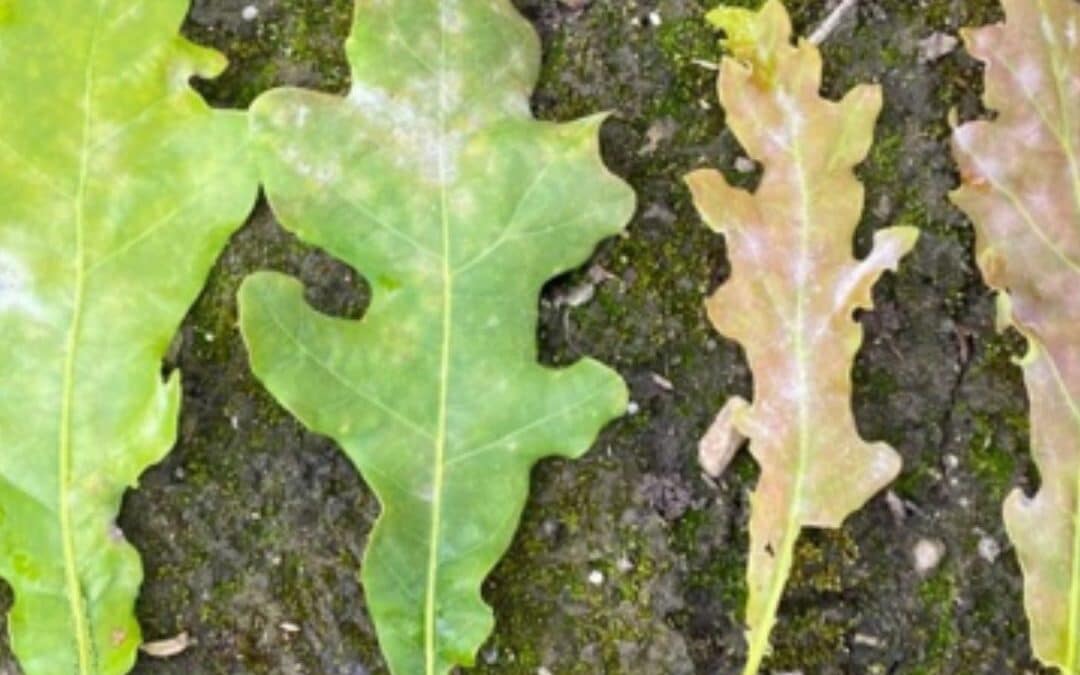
[452, 18]
[1040, 199]
[418, 139]
[1048, 30]
[1033, 132]
[15, 293]
[1030, 77]
[793, 114]
[802, 271]
[302, 114]
[464, 205]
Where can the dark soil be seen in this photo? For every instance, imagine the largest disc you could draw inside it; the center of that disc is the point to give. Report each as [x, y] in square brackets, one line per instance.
[628, 561]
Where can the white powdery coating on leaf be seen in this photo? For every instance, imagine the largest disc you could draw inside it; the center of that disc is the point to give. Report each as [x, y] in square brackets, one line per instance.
[420, 140]
[452, 18]
[15, 295]
[1029, 75]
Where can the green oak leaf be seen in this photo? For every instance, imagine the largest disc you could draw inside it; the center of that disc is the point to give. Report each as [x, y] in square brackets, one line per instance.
[118, 188]
[434, 181]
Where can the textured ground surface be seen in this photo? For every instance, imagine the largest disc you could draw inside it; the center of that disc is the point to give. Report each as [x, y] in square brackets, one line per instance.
[629, 561]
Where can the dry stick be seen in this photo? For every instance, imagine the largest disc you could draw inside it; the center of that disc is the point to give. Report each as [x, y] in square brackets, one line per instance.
[831, 22]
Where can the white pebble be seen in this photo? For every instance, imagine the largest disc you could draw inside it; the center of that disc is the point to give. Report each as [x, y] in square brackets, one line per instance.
[928, 554]
[654, 18]
[744, 164]
[250, 13]
[632, 408]
[596, 578]
[989, 549]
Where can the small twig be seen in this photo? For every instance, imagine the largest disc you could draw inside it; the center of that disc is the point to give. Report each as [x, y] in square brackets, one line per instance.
[831, 22]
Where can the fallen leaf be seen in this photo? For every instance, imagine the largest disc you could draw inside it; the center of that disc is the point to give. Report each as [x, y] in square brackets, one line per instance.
[1021, 188]
[433, 180]
[793, 290]
[118, 188]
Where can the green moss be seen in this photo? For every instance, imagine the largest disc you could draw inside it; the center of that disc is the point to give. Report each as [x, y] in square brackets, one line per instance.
[994, 468]
[938, 595]
[687, 44]
[616, 611]
[722, 574]
[296, 42]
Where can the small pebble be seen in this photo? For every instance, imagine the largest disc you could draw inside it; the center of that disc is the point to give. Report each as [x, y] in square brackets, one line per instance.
[936, 46]
[744, 165]
[662, 382]
[624, 565]
[250, 13]
[289, 627]
[596, 578]
[868, 641]
[896, 506]
[542, 670]
[654, 18]
[989, 549]
[928, 554]
[632, 408]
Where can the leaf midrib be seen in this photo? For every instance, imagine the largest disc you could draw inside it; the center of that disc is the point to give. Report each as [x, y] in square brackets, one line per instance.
[76, 599]
[438, 477]
[786, 550]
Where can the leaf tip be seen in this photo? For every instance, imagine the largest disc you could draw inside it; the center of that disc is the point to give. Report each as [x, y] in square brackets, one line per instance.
[753, 37]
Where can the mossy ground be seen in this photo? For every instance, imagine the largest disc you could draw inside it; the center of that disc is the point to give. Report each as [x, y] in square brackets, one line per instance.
[628, 561]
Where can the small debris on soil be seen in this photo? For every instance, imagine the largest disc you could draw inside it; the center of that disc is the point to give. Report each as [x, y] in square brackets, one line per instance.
[659, 132]
[936, 46]
[250, 13]
[745, 165]
[722, 440]
[928, 554]
[662, 382]
[163, 649]
[576, 296]
[989, 549]
[596, 578]
[822, 33]
[864, 640]
[896, 506]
